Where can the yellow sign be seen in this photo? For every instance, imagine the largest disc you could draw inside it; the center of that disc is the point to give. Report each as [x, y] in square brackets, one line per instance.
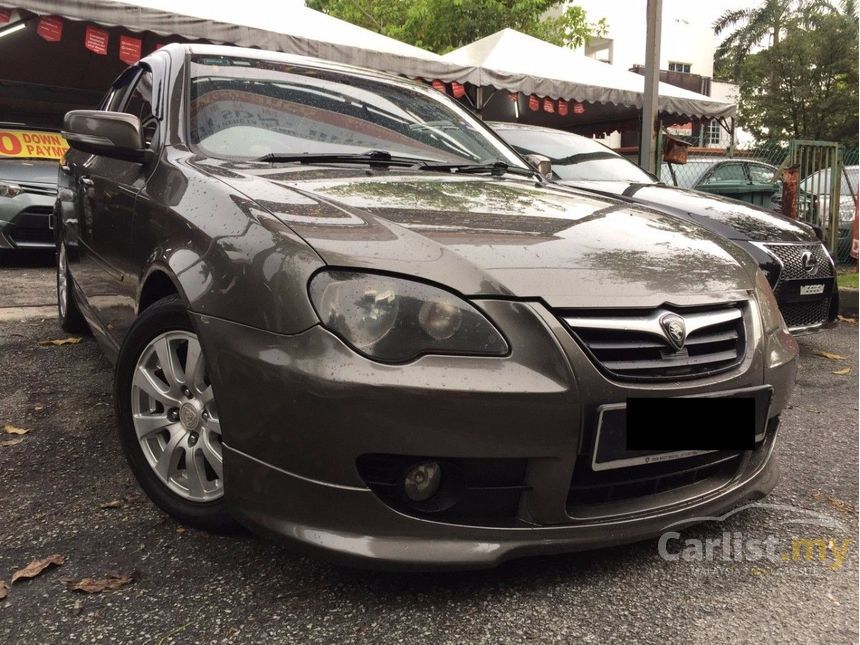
[32, 144]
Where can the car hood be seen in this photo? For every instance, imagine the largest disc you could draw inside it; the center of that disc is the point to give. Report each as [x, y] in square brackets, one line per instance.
[29, 171]
[502, 236]
[728, 217]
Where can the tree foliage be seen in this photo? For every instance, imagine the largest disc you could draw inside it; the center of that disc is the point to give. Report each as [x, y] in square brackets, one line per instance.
[443, 25]
[805, 85]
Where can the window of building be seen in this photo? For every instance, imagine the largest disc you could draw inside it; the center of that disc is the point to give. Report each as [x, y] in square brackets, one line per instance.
[713, 133]
[679, 67]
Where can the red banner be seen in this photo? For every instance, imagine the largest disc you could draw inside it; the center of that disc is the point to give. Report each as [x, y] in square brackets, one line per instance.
[534, 103]
[457, 89]
[439, 86]
[96, 40]
[562, 107]
[50, 28]
[548, 105]
[514, 96]
[129, 49]
[579, 108]
[5, 15]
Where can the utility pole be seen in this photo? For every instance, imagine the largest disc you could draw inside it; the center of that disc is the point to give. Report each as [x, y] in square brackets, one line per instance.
[652, 78]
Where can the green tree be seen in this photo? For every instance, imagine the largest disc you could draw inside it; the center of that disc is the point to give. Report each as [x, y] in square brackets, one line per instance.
[758, 26]
[805, 85]
[443, 25]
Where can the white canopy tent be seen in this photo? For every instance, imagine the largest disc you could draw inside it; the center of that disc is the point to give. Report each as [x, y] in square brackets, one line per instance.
[514, 61]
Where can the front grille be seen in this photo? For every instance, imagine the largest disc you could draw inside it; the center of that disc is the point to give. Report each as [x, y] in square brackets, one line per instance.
[32, 226]
[633, 345]
[791, 258]
[805, 314]
[591, 488]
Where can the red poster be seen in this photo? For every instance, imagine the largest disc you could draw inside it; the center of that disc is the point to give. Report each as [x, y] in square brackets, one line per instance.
[579, 108]
[439, 86]
[534, 103]
[50, 28]
[562, 107]
[457, 89]
[96, 40]
[548, 105]
[5, 15]
[129, 49]
[514, 96]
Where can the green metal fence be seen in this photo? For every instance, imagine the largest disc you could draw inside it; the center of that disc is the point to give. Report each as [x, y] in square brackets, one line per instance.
[827, 174]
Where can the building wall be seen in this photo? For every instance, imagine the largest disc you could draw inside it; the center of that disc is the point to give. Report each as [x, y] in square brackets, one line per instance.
[687, 36]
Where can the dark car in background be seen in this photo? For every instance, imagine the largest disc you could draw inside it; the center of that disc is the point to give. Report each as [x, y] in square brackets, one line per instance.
[28, 186]
[347, 315]
[749, 181]
[790, 253]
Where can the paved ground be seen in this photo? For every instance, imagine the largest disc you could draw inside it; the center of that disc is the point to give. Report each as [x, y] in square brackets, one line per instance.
[192, 587]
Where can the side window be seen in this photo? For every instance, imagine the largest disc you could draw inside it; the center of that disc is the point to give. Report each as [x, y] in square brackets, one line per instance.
[140, 105]
[727, 172]
[761, 174]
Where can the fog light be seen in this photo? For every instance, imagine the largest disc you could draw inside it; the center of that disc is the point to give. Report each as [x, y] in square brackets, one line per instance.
[422, 481]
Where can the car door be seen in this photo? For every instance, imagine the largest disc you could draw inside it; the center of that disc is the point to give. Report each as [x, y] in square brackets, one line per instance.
[106, 189]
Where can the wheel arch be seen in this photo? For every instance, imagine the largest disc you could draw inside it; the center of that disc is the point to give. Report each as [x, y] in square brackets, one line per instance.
[158, 282]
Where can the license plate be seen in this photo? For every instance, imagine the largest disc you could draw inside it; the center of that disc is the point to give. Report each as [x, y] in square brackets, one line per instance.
[811, 289]
[610, 449]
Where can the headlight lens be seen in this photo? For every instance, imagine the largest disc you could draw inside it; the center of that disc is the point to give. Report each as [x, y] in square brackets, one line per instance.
[770, 314]
[397, 320]
[9, 190]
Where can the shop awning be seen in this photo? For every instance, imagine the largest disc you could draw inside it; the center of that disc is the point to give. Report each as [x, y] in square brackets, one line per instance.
[517, 62]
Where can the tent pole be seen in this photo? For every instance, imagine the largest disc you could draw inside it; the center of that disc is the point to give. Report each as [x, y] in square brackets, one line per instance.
[479, 100]
[652, 78]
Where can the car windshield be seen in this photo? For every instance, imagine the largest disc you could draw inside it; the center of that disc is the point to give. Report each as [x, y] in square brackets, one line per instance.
[574, 157]
[687, 175]
[245, 108]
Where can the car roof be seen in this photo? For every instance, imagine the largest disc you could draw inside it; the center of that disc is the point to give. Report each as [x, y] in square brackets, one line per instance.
[190, 49]
[507, 125]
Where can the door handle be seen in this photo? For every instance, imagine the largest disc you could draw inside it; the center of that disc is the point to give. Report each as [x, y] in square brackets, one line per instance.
[86, 181]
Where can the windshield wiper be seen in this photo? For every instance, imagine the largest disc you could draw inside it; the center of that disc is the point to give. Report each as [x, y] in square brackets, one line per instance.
[497, 168]
[377, 158]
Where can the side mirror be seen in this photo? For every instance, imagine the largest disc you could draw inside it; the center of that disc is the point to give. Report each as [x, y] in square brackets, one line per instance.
[540, 163]
[111, 134]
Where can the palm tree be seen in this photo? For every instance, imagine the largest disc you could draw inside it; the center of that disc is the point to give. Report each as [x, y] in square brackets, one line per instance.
[753, 26]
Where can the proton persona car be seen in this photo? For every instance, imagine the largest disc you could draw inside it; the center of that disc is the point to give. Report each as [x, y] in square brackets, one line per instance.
[345, 315]
[790, 253]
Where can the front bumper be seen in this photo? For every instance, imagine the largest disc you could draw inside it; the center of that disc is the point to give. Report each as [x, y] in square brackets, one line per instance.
[299, 411]
[25, 221]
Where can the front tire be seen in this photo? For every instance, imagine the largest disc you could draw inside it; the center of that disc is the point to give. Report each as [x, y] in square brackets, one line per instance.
[168, 420]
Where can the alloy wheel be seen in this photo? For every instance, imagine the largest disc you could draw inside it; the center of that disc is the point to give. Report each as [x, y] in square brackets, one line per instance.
[62, 281]
[175, 418]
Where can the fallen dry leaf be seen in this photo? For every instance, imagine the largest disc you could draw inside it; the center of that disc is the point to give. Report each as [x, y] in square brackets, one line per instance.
[181, 529]
[38, 566]
[10, 429]
[4, 589]
[38, 407]
[847, 319]
[11, 442]
[114, 503]
[843, 371]
[835, 502]
[97, 585]
[830, 355]
[71, 340]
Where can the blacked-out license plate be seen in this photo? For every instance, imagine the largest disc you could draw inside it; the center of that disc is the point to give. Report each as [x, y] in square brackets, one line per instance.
[648, 430]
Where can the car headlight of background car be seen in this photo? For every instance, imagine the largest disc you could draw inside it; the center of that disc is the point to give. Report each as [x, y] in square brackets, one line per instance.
[396, 320]
[9, 190]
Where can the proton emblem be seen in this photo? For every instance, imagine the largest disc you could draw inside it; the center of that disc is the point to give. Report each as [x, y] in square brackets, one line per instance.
[675, 329]
[808, 261]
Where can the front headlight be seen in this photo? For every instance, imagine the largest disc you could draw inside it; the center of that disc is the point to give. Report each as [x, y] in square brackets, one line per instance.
[10, 190]
[770, 315]
[396, 320]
